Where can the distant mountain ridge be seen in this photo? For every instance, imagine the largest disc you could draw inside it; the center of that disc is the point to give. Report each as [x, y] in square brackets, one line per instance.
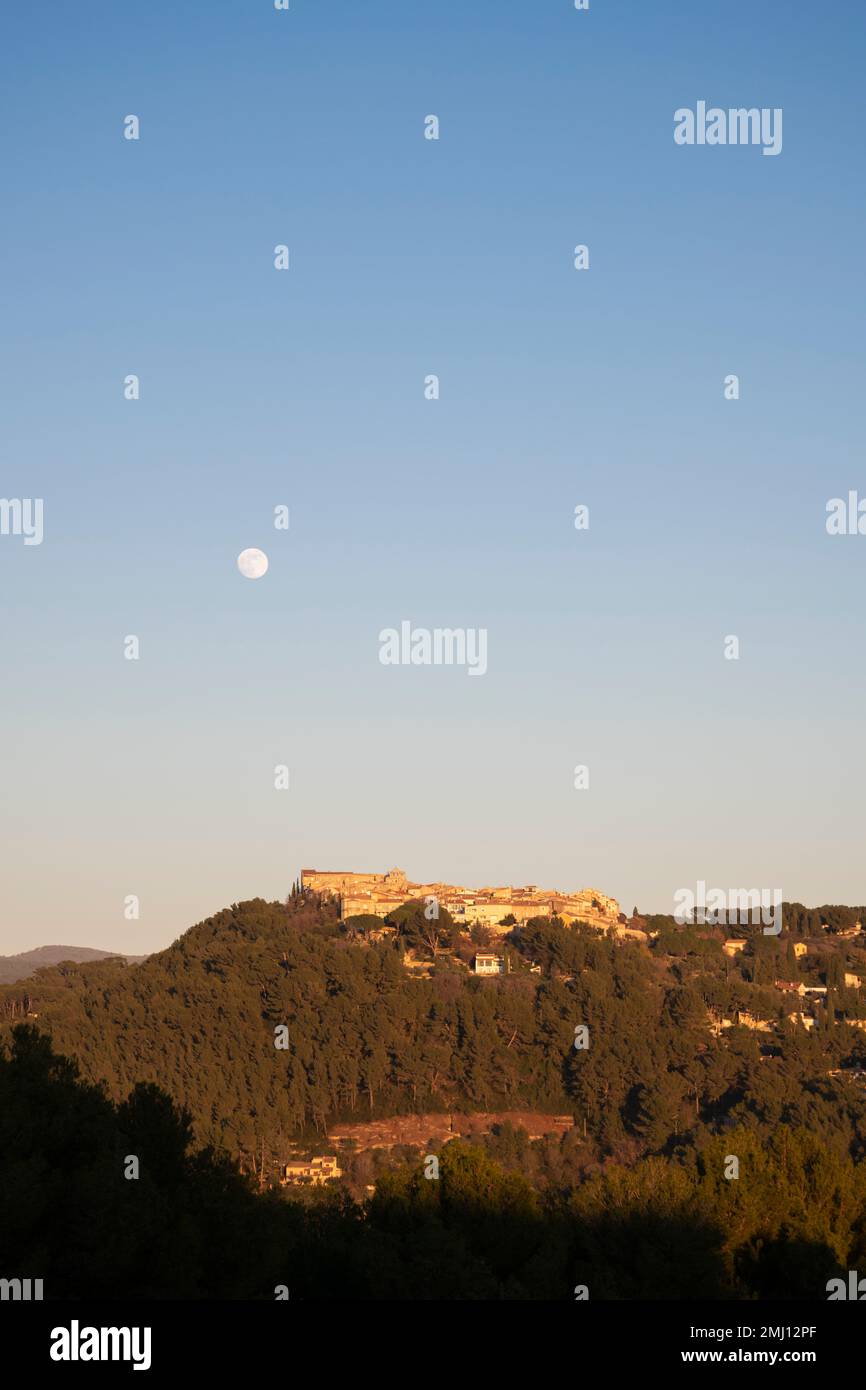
[21, 966]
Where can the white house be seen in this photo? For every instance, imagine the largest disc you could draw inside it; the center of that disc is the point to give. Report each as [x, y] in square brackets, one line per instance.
[489, 965]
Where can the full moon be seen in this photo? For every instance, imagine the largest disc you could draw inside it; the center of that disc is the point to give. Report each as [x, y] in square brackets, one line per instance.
[252, 563]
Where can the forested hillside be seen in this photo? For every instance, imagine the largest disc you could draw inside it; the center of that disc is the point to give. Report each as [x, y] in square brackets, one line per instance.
[190, 1227]
[366, 1038]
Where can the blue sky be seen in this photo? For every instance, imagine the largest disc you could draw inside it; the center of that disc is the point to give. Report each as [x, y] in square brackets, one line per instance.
[411, 257]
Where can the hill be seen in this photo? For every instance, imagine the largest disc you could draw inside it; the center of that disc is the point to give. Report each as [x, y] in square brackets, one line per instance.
[190, 1227]
[365, 1038]
[26, 963]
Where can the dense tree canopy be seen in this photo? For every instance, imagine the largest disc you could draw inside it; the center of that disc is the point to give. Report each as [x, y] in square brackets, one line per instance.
[366, 1039]
[189, 1226]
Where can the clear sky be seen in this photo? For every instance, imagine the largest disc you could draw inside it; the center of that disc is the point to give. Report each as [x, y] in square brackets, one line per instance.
[410, 257]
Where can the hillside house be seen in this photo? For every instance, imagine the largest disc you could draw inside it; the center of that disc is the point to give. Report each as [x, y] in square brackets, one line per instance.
[623, 933]
[313, 1172]
[717, 1022]
[489, 965]
[745, 1019]
[807, 1022]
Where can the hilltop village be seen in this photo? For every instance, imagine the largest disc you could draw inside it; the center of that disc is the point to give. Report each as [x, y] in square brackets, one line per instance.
[499, 909]
[799, 973]
[775, 980]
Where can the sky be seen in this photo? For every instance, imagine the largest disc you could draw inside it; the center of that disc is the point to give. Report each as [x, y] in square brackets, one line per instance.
[305, 388]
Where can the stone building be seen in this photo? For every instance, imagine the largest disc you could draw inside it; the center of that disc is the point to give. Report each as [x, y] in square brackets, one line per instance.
[313, 1172]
